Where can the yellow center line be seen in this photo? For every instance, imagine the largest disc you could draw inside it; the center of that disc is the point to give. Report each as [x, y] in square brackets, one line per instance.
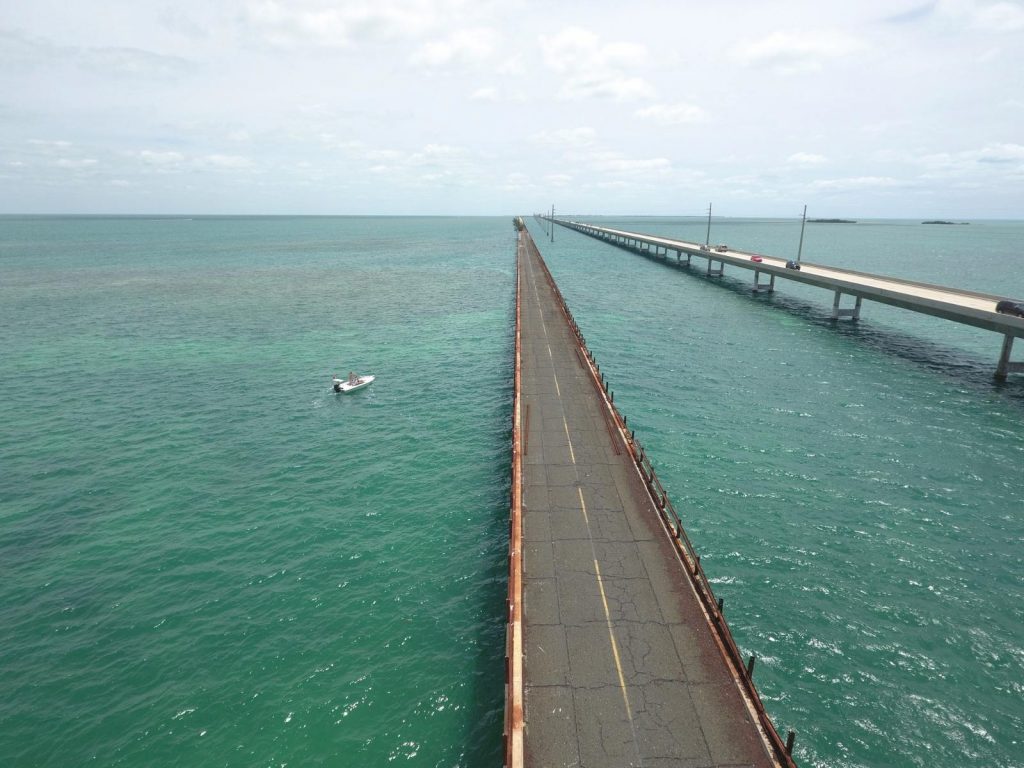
[572, 453]
[608, 618]
[615, 645]
[586, 519]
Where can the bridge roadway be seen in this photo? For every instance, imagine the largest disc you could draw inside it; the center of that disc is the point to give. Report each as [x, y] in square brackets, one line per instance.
[968, 307]
[621, 664]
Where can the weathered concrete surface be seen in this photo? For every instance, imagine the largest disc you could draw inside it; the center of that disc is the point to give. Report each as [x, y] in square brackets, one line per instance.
[621, 667]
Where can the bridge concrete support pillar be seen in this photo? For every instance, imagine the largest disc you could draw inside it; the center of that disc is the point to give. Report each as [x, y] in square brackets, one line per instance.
[768, 287]
[853, 314]
[716, 272]
[679, 258]
[1005, 366]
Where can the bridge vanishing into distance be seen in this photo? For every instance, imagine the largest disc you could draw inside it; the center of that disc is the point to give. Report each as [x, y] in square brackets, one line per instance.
[617, 651]
[967, 307]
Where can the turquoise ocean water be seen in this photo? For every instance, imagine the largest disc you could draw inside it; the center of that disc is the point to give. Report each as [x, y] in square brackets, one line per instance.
[208, 558]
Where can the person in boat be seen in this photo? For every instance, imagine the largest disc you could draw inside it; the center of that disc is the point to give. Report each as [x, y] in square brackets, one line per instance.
[352, 378]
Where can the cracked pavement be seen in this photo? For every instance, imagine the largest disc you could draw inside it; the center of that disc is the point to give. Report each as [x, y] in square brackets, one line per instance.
[621, 668]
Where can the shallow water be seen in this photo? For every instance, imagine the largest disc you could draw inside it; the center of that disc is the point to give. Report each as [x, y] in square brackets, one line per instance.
[856, 491]
[210, 558]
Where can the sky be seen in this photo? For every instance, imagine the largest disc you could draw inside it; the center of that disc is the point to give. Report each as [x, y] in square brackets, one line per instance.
[874, 108]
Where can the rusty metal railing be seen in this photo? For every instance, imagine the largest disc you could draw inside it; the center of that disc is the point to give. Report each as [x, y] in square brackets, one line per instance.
[743, 672]
[513, 726]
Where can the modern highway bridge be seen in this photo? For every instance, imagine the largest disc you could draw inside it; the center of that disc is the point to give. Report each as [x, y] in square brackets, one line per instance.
[968, 307]
[618, 653]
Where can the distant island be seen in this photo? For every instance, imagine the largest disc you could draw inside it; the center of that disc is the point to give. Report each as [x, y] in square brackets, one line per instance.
[831, 221]
[937, 221]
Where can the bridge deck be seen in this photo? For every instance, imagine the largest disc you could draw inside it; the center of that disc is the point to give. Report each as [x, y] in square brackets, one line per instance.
[621, 665]
[963, 306]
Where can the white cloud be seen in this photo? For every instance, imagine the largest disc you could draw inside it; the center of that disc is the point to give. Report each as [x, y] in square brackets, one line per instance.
[592, 69]
[172, 162]
[49, 145]
[806, 159]
[86, 162]
[571, 137]
[998, 17]
[792, 52]
[28, 53]
[317, 22]
[230, 162]
[558, 179]
[380, 155]
[516, 182]
[615, 186]
[575, 46]
[616, 162]
[133, 62]
[512, 66]
[484, 94]
[672, 114]
[858, 183]
[367, 102]
[439, 151]
[1001, 153]
[431, 164]
[463, 47]
[152, 157]
[997, 158]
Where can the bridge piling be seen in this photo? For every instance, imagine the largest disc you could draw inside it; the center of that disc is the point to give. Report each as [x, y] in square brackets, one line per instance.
[853, 314]
[768, 287]
[980, 310]
[1005, 366]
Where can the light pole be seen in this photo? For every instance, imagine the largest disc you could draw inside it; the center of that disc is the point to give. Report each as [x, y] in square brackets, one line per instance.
[803, 223]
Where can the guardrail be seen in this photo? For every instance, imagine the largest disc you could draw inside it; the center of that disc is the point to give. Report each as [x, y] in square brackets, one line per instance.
[512, 735]
[673, 523]
[938, 300]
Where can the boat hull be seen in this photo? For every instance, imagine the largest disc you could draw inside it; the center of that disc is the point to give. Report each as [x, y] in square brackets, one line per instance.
[344, 387]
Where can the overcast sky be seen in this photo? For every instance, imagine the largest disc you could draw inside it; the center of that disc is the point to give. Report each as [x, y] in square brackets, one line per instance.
[872, 108]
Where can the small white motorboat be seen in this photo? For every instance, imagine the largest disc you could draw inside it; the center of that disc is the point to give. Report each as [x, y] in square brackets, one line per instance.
[352, 383]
